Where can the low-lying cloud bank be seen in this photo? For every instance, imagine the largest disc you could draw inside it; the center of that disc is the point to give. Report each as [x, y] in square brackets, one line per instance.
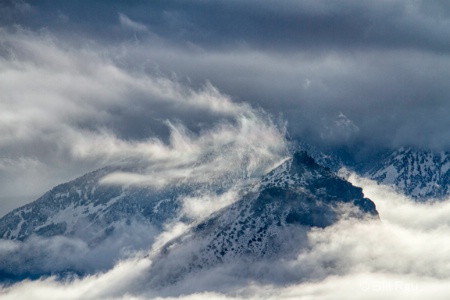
[398, 257]
[67, 257]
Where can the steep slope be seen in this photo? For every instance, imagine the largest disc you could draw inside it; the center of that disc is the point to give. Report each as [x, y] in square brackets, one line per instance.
[86, 209]
[270, 222]
[84, 226]
[420, 174]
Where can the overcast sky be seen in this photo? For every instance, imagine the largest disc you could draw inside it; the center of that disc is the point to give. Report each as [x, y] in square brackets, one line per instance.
[73, 73]
[194, 88]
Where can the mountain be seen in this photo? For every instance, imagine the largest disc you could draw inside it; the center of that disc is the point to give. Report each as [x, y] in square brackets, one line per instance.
[84, 226]
[269, 223]
[86, 209]
[420, 174]
[74, 228]
[334, 160]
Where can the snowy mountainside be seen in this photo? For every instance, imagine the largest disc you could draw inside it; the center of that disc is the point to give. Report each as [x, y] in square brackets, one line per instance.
[88, 210]
[420, 174]
[86, 226]
[269, 223]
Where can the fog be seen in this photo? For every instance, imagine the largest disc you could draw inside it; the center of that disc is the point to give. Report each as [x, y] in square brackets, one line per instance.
[396, 257]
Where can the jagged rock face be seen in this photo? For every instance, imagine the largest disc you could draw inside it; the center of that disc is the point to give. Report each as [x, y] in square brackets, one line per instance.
[269, 222]
[88, 210]
[420, 174]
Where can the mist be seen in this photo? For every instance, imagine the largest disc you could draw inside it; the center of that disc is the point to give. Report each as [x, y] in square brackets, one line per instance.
[394, 257]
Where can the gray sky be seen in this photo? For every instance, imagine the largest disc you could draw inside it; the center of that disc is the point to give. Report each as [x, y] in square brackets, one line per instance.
[194, 88]
[78, 78]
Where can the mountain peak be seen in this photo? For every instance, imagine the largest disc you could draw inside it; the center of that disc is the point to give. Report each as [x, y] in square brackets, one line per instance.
[302, 158]
[283, 205]
[292, 198]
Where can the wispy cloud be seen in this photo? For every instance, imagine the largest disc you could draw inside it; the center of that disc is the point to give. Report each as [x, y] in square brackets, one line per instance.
[133, 25]
[78, 109]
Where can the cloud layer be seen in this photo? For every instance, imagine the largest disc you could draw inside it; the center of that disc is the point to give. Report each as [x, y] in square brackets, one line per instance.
[67, 111]
[397, 257]
[68, 74]
[382, 64]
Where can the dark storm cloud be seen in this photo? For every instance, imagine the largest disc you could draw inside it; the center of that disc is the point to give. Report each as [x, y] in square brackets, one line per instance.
[382, 65]
[278, 26]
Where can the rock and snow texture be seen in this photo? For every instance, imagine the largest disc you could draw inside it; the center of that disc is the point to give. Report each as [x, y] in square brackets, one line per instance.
[86, 209]
[269, 222]
[420, 174]
[85, 226]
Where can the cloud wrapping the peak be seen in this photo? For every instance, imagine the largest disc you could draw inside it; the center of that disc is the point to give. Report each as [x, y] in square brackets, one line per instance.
[305, 60]
[79, 108]
[389, 258]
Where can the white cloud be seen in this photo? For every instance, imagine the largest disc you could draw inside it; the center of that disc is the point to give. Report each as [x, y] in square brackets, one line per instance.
[221, 155]
[57, 113]
[395, 258]
[128, 23]
[203, 204]
[65, 112]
